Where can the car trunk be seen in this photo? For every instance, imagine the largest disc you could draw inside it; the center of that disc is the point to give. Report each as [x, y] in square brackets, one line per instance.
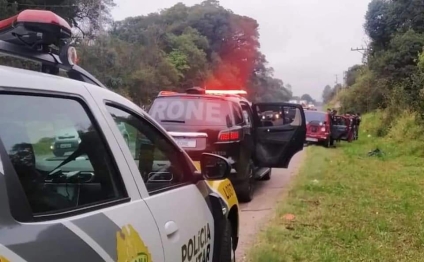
[314, 127]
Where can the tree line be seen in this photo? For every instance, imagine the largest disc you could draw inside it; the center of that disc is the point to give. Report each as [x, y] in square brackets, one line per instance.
[392, 77]
[179, 47]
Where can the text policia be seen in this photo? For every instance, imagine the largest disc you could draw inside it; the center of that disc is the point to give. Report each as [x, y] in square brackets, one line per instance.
[198, 248]
[190, 110]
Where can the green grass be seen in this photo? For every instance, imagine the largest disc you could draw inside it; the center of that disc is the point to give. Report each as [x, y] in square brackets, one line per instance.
[352, 207]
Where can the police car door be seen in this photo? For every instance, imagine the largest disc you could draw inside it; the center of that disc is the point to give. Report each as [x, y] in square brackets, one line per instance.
[86, 210]
[280, 131]
[164, 177]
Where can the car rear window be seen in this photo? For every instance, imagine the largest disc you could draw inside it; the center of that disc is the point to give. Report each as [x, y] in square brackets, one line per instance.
[193, 111]
[315, 116]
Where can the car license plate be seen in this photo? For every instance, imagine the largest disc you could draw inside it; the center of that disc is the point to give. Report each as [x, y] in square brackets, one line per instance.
[311, 139]
[65, 145]
[186, 143]
[197, 165]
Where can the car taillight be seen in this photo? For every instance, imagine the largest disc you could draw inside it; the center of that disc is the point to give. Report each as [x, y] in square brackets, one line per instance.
[323, 129]
[230, 135]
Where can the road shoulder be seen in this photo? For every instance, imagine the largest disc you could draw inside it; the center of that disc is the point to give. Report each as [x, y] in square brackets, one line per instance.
[256, 214]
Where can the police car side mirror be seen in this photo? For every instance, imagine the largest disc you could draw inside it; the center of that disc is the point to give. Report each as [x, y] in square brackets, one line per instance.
[214, 167]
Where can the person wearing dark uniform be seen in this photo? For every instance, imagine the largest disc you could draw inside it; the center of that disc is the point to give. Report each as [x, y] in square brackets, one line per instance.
[358, 115]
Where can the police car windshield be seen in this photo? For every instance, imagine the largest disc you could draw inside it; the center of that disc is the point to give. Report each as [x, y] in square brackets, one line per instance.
[314, 116]
[193, 111]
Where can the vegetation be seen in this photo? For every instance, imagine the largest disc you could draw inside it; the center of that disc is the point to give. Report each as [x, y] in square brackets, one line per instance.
[392, 77]
[179, 47]
[349, 206]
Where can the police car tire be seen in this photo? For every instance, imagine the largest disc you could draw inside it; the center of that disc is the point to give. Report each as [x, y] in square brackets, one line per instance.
[227, 250]
[245, 192]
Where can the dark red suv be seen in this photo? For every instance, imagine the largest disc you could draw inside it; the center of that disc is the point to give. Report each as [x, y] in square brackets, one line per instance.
[318, 128]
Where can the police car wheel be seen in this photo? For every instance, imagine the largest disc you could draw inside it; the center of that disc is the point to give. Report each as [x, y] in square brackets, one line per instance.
[245, 193]
[227, 249]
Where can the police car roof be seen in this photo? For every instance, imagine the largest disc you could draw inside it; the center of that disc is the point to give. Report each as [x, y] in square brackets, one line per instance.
[22, 78]
[33, 80]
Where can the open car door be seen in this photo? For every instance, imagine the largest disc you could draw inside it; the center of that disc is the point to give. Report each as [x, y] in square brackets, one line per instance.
[280, 132]
[339, 128]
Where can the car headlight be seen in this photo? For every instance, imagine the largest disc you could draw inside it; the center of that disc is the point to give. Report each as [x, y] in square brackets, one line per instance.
[79, 140]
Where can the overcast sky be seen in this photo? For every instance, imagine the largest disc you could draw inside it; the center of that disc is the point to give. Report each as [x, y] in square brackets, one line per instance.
[307, 42]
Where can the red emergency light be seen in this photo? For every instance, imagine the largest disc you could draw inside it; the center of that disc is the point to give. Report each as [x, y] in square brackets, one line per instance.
[35, 27]
[43, 37]
[226, 92]
[40, 30]
[167, 93]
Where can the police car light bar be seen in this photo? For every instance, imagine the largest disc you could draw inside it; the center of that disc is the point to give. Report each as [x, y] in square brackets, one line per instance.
[167, 93]
[226, 92]
[43, 37]
[35, 26]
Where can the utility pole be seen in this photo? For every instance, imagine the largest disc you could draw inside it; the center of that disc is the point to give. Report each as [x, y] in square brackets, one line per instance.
[337, 82]
[344, 85]
[361, 50]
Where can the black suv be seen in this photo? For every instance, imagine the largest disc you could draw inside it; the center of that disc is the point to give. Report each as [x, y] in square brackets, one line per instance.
[229, 125]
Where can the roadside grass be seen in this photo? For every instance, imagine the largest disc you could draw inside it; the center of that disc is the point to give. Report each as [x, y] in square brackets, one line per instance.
[349, 206]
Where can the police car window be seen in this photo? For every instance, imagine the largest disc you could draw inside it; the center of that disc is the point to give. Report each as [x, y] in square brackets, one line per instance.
[57, 153]
[246, 114]
[191, 111]
[238, 115]
[275, 115]
[158, 161]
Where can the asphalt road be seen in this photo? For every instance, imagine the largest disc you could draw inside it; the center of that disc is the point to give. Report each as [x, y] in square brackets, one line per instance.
[255, 214]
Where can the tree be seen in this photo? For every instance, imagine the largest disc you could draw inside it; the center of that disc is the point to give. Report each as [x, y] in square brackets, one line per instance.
[7, 9]
[352, 74]
[327, 94]
[208, 46]
[307, 98]
[178, 47]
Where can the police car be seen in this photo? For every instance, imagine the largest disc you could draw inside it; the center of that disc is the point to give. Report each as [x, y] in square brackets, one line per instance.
[103, 201]
[252, 136]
